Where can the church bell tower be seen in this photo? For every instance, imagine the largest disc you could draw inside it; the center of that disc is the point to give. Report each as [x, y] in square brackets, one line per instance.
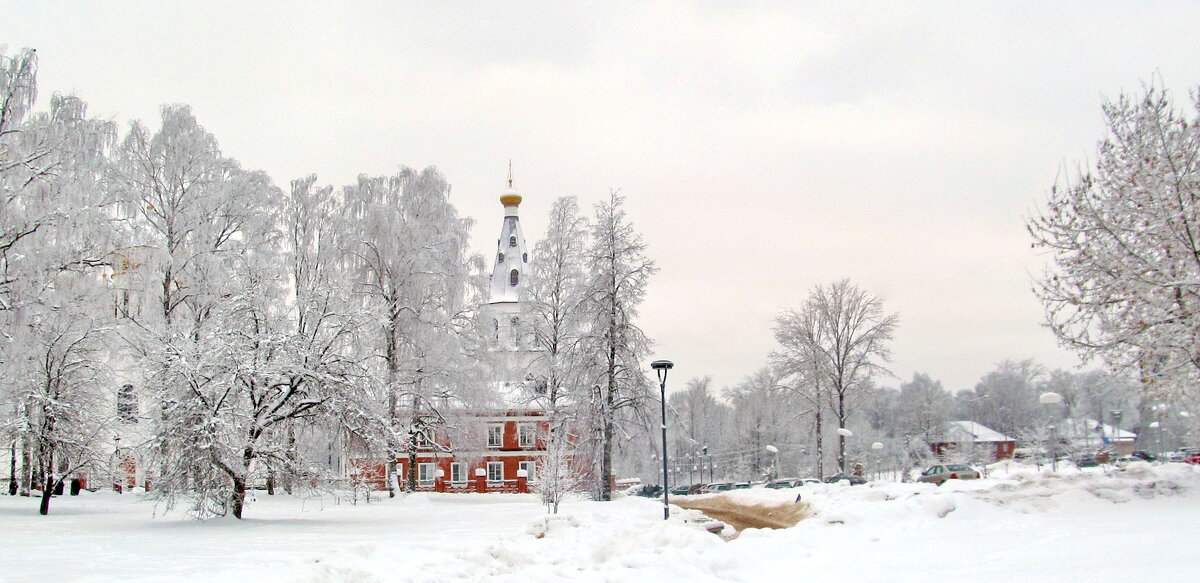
[509, 286]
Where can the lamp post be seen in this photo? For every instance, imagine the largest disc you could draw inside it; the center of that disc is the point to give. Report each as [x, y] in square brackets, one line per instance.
[774, 473]
[1051, 399]
[1158, 426]
[1116, 415]
[875, 447]
[661, 367]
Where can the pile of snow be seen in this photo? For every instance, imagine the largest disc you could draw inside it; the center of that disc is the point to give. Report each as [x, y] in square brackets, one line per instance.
[594, 541]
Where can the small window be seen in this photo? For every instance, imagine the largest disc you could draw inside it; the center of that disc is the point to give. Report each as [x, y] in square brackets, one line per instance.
[495, 471]
[512, 241]
[529, 470]
[421, 440]
[495, 435]
[458, 472]
[426, 473]
[127, 405]
[525, 257]
[500, 258]
[526, 436]
[513, 278]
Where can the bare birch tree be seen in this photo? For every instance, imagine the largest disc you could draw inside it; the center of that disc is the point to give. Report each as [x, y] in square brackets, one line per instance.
[841, 334]
[557, 285]
[615, 346]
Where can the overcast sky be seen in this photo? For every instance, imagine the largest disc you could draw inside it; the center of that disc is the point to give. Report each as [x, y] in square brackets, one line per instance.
[764, 148]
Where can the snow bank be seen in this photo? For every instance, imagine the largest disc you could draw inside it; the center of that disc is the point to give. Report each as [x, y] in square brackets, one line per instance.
[1017, 524]
[591, 542]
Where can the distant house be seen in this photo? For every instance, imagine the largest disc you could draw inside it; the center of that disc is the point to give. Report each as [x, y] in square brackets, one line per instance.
[970, 439]
[1092, 435]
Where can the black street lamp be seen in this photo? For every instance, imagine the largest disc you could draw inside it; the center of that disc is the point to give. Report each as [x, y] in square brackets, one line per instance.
[661, 367]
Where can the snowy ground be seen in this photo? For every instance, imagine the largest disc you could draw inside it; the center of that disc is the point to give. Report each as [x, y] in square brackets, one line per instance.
[1097, 525]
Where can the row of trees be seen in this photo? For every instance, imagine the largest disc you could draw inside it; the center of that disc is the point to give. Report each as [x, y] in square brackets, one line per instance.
[726, 433]
[1123, 289]
[259, 329]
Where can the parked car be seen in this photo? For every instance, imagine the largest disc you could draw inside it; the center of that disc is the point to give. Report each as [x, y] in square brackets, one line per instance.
[783, 483]
[1125, 460]
[716, 487]
[940, 473]
[1091, 460]
[680, 490]
[854, 480]
[807, 481]
[1144, 455]
[741, 485]
[648, 491]
[1192, 457]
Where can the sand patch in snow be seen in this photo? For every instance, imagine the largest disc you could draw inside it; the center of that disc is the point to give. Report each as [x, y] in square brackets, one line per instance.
[741, 514]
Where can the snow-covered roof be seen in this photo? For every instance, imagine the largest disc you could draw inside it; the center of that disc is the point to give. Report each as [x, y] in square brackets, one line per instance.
[1085, 430]
[511, 254]
[970, 431]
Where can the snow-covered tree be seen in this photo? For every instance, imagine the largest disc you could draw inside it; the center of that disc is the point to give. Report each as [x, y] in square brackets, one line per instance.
[326, 323]
[698, 420]
[198, 232]
[1006, 398]
[924, 407]
[60, 378]
[840, 337]
[556, 289]
[765, 412]
[557, 284]
[407, 250]
[614, 345]
[1125, 281]
[54, 233]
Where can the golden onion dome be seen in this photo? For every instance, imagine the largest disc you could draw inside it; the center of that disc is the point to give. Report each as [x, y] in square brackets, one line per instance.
[510, 198]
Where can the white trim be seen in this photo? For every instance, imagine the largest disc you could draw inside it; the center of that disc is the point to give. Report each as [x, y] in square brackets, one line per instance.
[511, 453]
[515, 417]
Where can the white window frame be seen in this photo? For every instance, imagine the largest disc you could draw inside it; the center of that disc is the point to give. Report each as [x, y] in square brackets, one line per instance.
[458, 473]
[495, 472]
[426, 472]
[526, 435]
[530, 468]
[495, 430]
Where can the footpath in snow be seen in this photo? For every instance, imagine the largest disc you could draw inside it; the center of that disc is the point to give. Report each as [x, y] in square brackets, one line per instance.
[1020, 524]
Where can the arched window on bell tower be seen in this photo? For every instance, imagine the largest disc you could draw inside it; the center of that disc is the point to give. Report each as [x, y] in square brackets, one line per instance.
[513, 278]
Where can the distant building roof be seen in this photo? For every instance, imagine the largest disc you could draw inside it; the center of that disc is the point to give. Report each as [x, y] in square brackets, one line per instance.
[1092, 431]
[970, 431]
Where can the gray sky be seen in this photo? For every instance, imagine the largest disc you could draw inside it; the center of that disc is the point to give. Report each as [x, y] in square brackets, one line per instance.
[764, 148]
